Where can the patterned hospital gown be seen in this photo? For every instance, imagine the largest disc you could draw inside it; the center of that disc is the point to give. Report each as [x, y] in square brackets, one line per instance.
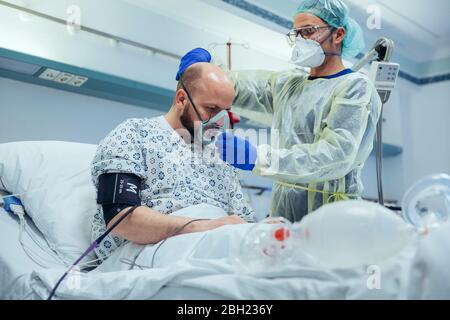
[174, 177]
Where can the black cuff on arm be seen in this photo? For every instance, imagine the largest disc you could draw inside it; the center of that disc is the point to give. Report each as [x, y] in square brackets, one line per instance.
[117, 191]
[112, 210]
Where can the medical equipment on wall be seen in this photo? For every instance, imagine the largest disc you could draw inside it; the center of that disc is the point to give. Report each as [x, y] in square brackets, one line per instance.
[384, 76]
[426, 205]
[338, 235]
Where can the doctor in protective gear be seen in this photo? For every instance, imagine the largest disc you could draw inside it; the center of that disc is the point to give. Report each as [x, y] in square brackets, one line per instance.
[323, 122]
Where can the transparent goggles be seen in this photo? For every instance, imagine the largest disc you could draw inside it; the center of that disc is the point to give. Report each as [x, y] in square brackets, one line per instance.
[304, 32]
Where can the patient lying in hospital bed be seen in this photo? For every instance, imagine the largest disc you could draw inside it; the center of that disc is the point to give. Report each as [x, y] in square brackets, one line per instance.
[195, 265]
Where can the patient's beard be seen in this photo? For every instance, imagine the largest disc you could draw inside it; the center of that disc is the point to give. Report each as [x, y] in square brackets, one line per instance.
[188, 123]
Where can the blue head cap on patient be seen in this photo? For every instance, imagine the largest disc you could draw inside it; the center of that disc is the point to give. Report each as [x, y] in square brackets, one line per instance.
[194, 56]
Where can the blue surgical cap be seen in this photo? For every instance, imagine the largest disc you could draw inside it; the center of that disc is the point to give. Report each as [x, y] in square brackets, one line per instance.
[336, 14]
[192, 57]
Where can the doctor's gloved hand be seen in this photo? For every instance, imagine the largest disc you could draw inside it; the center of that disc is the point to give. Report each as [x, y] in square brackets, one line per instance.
[238, 152]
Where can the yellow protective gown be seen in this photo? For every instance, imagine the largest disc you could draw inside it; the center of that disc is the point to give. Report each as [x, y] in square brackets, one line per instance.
[322, 133]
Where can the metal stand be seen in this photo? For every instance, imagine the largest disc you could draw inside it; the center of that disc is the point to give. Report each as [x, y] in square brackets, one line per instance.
[379, 157]
[382, 51]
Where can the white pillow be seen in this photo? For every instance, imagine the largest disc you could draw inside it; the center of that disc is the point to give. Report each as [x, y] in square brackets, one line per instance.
[54, 182]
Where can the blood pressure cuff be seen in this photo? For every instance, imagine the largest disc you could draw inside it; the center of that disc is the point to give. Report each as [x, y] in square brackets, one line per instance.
[117, 191]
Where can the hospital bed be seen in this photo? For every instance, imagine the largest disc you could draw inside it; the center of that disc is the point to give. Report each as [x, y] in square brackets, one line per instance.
[192, 266]
[19, 260]
[16, 266]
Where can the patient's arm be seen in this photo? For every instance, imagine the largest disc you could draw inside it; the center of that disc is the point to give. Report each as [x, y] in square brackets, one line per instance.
[147, 226]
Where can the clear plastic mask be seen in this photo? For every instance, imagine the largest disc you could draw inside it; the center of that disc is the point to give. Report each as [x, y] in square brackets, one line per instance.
[211, 129]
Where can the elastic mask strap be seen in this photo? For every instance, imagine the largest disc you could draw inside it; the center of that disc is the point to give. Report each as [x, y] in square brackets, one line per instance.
[329, 54]
[192, 102]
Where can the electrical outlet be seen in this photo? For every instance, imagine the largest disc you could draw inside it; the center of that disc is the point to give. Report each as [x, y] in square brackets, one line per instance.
[64, 77]
[78, 81]
[49, 74]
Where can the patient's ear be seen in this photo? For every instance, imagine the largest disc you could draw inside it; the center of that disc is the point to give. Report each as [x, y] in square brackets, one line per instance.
[181, 100]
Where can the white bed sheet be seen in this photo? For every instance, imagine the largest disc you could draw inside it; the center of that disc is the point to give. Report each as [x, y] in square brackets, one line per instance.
[428, 280]
[201, 261]
[16, 267]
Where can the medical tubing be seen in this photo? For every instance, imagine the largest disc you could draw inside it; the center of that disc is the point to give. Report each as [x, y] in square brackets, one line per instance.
[18, 195]
[142, 267]
[19, 211]
[90, 249]
[176, 233]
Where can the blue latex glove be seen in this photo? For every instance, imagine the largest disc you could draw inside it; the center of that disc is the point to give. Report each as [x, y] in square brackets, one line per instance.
[238, 152]
[192, 57]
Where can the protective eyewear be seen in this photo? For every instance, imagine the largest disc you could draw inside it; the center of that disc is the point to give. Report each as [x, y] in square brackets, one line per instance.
[304, 32]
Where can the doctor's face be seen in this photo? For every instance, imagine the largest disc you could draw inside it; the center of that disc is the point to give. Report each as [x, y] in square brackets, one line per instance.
[318, 30]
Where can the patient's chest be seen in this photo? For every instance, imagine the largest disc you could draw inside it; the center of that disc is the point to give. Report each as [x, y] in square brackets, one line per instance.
[178, 177]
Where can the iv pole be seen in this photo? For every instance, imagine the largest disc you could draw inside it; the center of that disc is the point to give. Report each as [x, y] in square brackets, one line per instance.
[234, 118]
[229, 44]
[381, 51]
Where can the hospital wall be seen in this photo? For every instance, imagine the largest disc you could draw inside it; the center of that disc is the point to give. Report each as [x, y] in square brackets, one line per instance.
[31, 112]
[54, 42]
[417, 119]
[429, 131]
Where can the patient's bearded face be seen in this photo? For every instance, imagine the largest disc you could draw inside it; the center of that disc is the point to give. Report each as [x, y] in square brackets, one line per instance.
[211, 95]
[188, 119]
